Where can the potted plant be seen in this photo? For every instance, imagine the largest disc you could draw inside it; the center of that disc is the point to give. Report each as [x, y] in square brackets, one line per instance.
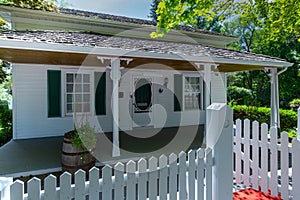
[78, 147]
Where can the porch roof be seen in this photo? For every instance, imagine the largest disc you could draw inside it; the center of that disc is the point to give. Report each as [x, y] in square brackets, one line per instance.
[73, 48]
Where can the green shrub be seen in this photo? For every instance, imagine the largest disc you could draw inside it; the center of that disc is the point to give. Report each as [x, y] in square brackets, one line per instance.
[295, 104]
[288, 118]
[239, 95]
[5, 123]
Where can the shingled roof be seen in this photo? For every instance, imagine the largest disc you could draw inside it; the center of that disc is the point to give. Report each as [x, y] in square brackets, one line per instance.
[132, 44]
[124, 19]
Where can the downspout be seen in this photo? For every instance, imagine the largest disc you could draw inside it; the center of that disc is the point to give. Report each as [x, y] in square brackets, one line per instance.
[275, 116]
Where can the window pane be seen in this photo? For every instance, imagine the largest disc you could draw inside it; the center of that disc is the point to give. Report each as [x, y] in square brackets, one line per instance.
[69, 98]
[69, 88]
[69, 108]
[78, 98]
[78, 78]
[86, 88]
[86, 98]
[78, 107]
[86, 78]
[70, 78]
[85, 107]
[78, 88]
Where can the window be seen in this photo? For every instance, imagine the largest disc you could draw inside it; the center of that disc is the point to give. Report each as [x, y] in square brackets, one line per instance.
[192, 94]
[77, 93]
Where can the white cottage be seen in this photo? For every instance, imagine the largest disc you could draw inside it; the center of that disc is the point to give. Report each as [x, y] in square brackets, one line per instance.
[108, 68]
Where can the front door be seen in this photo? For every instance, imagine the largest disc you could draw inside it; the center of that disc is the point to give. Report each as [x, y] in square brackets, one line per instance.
[142, 99]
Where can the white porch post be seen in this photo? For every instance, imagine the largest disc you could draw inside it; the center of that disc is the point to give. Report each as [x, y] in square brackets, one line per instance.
[207, 81]
[275, 117]
[115, 75]
[219, 137]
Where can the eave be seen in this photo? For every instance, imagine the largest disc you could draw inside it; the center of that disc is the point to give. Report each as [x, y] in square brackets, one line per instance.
[59, 54]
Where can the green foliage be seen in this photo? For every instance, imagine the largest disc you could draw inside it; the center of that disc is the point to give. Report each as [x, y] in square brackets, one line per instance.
[240, 95]
[46, 5]
[5, 122]
[288, 118]
[295, 104]
[84, 137]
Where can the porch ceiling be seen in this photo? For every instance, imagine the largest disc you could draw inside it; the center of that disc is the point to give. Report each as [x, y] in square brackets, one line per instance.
[82, 59]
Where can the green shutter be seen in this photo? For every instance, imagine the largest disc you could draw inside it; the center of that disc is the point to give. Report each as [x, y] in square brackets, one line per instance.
[54, 93]
[100, 93]
[177, 92]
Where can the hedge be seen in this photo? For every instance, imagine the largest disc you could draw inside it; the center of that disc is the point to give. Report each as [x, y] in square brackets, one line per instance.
[288, 118]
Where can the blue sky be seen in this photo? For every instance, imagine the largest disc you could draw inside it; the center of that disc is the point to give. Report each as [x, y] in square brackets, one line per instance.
[129, 8]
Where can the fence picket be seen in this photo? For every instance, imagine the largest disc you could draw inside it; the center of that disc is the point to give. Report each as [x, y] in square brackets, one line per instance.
[131, 180]
[238, 158]
[163, 177]
[119, 181]
[274, 161]
[246, 174]
[17, 190]
[208, 173]
[255, 155]
[200, 174]
[107, 182]
[94, 187]
[284, 161]
[50, 188]
[142, 179]
[182, 176]
[191, 174]
[153, 175]
[34, 188]
[80, 185]
[65, 186]
[264, 158]
[173, 177]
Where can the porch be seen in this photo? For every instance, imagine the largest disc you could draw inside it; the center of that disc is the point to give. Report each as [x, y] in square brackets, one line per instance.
[43, 155]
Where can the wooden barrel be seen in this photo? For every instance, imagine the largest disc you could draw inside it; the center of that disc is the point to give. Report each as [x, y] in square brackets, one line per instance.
[74, 158]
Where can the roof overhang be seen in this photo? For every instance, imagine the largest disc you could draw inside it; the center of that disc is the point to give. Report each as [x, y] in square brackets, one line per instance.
[60, 54]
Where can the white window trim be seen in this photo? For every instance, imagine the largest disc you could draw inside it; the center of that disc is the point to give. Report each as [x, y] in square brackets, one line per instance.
[201, 90]
[64, 90]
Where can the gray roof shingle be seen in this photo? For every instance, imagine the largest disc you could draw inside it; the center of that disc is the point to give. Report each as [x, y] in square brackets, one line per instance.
[132, 44]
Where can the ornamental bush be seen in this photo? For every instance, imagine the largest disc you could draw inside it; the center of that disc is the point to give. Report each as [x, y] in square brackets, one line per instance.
[5, 123]
[288, 118]
[239, 95]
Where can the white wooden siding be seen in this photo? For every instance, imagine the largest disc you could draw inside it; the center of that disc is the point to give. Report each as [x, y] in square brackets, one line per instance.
[30, 102]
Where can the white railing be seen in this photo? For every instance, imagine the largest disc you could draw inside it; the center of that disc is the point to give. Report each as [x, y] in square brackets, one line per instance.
[186, 176]
[263, 160]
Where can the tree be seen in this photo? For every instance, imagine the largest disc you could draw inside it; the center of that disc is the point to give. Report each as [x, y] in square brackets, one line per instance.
[153, 9]
[47, 5]
[262, 26]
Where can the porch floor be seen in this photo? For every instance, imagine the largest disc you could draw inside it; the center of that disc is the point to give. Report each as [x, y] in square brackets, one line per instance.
[37, 156]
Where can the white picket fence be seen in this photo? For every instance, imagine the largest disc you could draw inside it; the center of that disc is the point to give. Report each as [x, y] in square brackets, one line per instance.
[263, 160]
[186, 176]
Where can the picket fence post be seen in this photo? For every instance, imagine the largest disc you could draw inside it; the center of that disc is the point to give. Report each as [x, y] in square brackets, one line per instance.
[5, 183]
[298, 125]
[296, 162]
[219, 120]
